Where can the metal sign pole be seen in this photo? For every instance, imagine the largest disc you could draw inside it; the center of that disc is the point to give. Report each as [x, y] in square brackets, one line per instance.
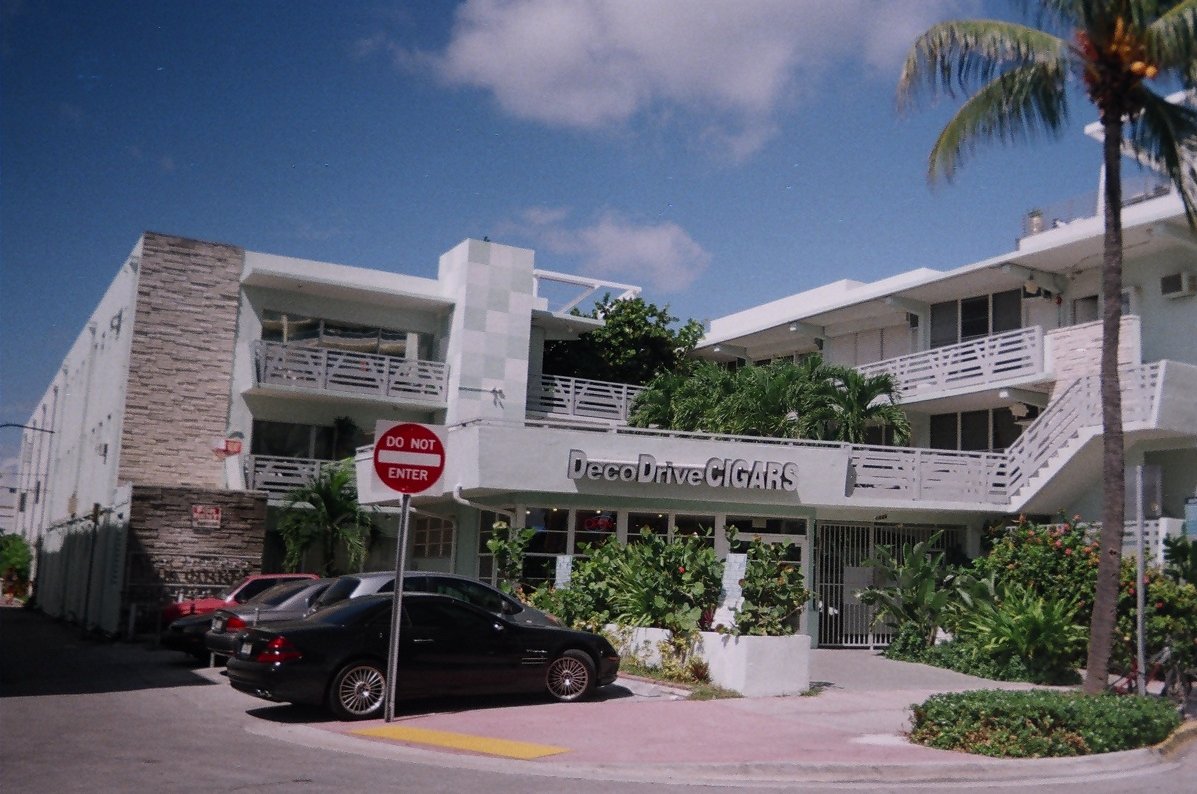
[392, 671]
[1140, 586]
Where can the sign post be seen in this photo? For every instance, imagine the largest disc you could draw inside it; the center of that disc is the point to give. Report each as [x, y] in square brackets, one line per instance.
[408, 459]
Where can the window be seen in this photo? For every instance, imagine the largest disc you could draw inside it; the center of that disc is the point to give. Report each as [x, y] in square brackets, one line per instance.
[593, 527]
[337, 335]
[975, 317]
[655, 523]
[288, 440]
[433, 538]
[1085, 310]
[990, 429]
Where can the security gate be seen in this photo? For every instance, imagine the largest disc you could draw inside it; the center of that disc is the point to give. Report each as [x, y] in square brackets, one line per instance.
[841, 553]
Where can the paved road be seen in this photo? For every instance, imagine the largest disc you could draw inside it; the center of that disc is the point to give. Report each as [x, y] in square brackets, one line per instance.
[82, 715]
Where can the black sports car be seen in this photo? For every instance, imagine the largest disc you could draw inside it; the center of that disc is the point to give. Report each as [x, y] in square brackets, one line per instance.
[337, 656]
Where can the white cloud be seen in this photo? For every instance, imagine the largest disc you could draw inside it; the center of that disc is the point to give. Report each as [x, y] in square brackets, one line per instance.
[659, 255]
[592, 64]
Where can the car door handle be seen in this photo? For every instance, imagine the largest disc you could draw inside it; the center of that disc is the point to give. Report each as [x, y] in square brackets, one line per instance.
[422, 640]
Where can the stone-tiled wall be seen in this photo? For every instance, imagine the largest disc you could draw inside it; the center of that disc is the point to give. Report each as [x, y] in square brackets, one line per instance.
[180, 372]
[167, 555]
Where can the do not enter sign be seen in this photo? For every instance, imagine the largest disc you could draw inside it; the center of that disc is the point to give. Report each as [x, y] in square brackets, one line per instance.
[409, 458]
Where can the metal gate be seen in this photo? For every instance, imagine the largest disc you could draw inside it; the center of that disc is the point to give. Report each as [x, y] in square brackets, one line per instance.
[841, 553]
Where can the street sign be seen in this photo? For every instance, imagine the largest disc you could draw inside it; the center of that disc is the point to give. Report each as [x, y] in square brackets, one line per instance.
[408, 458]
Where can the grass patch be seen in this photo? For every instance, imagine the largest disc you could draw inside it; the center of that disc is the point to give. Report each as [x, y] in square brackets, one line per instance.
[698, 690]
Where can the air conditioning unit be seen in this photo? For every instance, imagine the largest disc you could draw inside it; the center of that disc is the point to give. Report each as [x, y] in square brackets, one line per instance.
[1178, 285]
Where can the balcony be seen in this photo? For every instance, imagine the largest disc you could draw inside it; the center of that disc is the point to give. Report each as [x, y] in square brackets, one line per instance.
[341, 372]
[980, 363]
[554, 397]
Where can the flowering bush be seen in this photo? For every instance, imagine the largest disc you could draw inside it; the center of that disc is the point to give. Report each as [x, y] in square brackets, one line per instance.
[1170, 618]
[1058, 562]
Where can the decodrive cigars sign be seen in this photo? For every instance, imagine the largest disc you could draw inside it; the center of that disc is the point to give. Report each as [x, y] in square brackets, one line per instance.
[760, 475]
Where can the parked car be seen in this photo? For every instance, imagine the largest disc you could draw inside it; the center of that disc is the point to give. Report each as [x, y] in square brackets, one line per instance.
[469, 590]
[239, 593]
[337, 656]
[288, 601]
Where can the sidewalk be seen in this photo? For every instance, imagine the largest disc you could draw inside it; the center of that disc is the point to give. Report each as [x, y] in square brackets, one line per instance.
[852, 731]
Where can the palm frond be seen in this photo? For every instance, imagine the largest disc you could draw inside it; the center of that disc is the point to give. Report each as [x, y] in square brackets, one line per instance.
[1016, 106]
[1172, 41]
[962, 55]
[1166, 133]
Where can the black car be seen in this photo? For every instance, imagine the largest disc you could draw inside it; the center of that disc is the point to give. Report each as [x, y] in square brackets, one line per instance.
[282, 602]
[337, 656]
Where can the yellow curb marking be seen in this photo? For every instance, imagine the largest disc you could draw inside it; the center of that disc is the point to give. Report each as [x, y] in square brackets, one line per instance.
[463, 741]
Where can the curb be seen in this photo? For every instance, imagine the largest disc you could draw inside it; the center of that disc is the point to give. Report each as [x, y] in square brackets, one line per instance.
[1180, 738]
[992, 771]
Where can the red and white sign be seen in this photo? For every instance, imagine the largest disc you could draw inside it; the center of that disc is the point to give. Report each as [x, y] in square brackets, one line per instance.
[408, 458]
[205, 517]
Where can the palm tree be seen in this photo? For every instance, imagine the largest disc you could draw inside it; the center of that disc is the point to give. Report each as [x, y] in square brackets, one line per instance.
[857, 402]
[326, 511]
[1016, 80]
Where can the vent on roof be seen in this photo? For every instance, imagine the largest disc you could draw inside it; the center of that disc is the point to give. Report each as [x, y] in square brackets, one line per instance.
[1178, 285]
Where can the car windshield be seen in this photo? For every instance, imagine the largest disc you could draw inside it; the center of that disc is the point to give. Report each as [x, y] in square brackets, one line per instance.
[338, 591]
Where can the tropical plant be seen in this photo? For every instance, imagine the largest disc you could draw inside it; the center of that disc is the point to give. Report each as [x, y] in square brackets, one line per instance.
[637, 341]
[668, 584]
[1170, 619]
[856, 402]
[1016, 80]
[773, 591]
[781, 399]
[326, 512]
[1180, 554]
[507, 546]
[1021, 624]
[915, 593]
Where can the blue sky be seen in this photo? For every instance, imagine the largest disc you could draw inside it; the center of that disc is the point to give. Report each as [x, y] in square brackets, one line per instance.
[719, 154]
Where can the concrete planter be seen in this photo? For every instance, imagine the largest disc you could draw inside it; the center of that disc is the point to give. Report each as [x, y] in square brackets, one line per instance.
[758, 666]
[751, 666]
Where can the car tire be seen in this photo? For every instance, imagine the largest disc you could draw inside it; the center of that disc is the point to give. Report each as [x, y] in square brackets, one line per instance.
[570, 676]
[357, 691]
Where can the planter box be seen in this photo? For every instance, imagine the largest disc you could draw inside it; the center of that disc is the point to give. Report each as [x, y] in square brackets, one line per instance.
[751, 666]
[758, 666]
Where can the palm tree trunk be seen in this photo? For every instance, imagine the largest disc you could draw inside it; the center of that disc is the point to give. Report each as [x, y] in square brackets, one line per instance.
[1105, 600]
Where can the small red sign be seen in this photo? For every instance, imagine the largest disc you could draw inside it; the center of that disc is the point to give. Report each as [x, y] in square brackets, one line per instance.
[409, 458]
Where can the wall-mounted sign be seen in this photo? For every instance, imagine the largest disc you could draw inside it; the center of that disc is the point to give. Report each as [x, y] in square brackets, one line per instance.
[762, 475]
[205, 517]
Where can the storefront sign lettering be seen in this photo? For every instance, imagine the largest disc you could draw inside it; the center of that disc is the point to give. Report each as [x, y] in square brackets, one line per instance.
[761, 475]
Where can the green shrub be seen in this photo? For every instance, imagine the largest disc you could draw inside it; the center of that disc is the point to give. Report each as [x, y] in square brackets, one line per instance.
[507, 545]
[969, 658]
[1039, 632]
[587, 602]
[917, 594]
[908, 645]
[1039, 723]
[773, 591]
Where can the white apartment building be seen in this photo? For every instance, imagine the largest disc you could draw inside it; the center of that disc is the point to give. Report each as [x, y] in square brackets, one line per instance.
[211, 380]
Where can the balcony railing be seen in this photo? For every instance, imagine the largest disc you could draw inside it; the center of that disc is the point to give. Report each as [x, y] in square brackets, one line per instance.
[343, 372]
[980, 362]
[558, 397]
[1064, 212]
[279, 476]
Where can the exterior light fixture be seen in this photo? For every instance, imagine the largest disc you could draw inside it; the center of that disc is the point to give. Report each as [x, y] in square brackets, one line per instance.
[1030, 286]
[793, 327]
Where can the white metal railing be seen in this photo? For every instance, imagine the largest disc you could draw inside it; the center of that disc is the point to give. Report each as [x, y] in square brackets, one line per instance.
[1061, 213]
[922, 474]
[278, 476]
[1078, 407]
[978, 362]
[586, 399]
[370, 374]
